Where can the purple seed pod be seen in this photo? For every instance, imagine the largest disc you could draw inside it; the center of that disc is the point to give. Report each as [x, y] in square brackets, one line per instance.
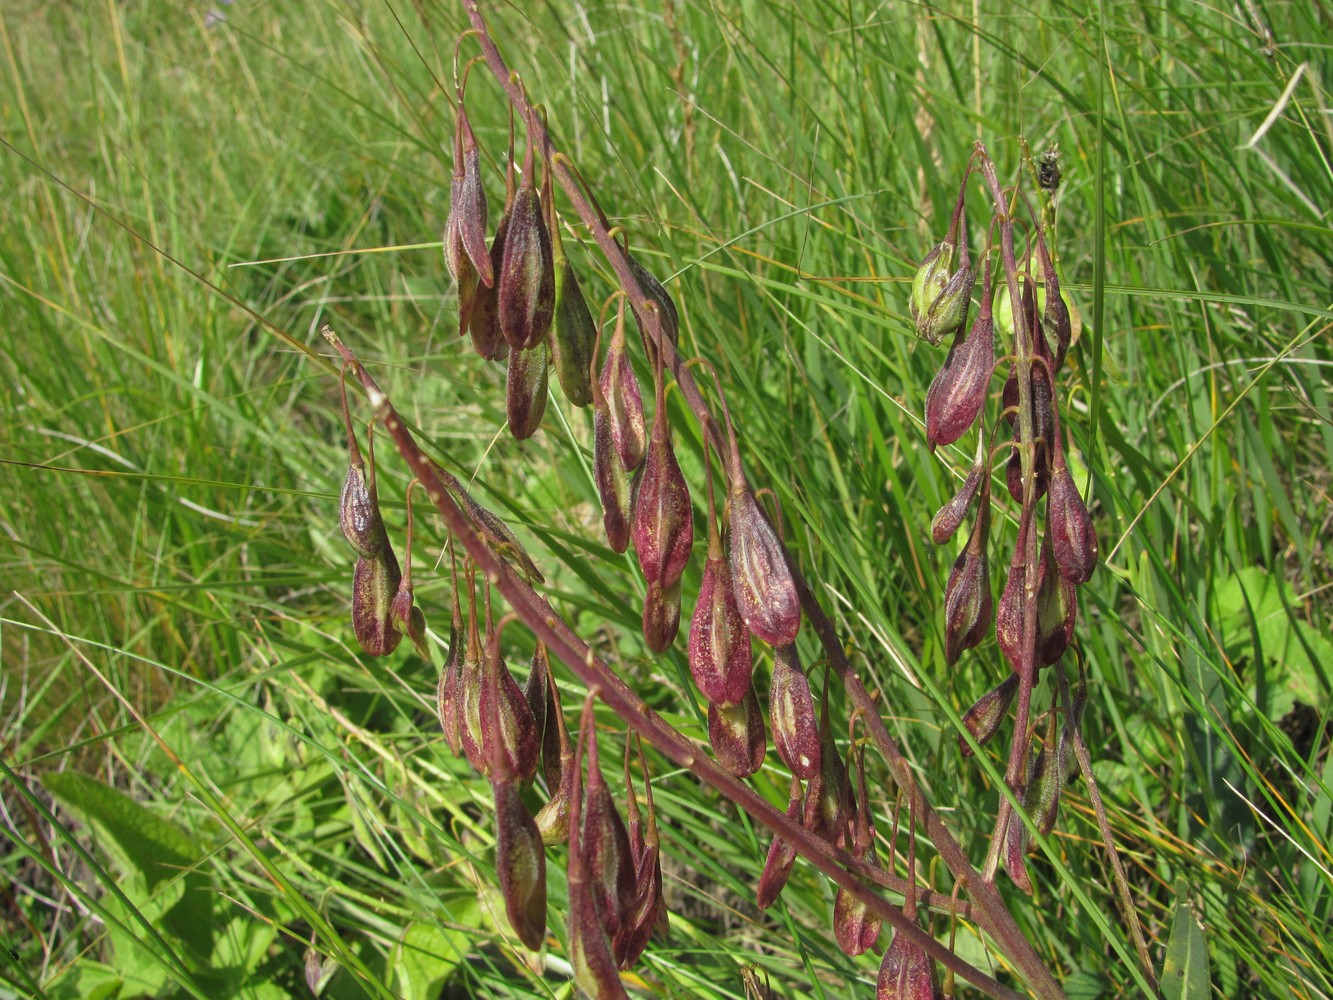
[520, 861]
[525, 389]
[661, 616]
[484, 315]
[949, 517]
[854, 926]
[620, 389]
[983, 719]
[494, 532]
[645, 850]
[1015, 851]
[606, 851]
[764, 589]
[558, 769]
[828, 795]
[448, 696]
[613, 486]
[967, 596]
[666, 307]
[469, 199]
[458, 263]
[359, 506]
[781, 855]
[1057, 609]
[1055, 319]
[374, 583]
[791, 712]
[471, 678]
[525, 284]
[721, 661]
[663, 516]
[907, 972]
[510, 739]
[1043, 794]
[959, 390]
[1069, 527]
[536, 689]
[736, 734]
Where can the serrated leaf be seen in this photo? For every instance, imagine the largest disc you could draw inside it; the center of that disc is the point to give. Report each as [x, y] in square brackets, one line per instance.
[1185, 971]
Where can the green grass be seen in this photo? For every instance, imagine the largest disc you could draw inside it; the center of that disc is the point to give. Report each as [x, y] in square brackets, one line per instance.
[178, 625]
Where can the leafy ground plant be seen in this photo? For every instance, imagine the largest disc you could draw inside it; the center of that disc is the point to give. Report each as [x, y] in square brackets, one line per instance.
[175, 469]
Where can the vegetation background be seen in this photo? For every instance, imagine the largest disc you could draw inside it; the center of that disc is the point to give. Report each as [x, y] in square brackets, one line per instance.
[203, 778]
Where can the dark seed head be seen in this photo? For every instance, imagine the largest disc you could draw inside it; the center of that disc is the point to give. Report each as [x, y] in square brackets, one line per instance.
[374, 584]
[520, 861]
[736, 734]
[791, 712]
[983, 719]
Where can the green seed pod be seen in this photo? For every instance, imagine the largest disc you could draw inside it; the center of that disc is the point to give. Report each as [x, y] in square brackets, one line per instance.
[907, 972]
[736, 734]
[983, 719]
[941, 294]
[520, 861]
[525, 389]
[781, 855]
[1043, 796]
[791, 712]
[573, 332]
[374, 583]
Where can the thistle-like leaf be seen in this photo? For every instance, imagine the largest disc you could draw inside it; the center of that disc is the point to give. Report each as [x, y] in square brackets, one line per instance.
[520, 861]
[983, 719]
[374, 584]
[525, 389]
[791, 712]
[736, 734]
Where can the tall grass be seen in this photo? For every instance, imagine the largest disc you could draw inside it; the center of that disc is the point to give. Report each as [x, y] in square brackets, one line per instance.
[178, 623]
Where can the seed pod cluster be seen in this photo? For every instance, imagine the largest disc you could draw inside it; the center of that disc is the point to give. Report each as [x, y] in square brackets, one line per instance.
[1055, 547]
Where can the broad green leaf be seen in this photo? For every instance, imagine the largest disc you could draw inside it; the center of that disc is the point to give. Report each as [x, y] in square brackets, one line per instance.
[1185, 971]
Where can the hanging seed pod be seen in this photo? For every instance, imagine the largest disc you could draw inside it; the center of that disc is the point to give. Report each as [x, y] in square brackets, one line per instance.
[1043, 794]
[494, 532]
[959, 390]
[457, 262]
[907, 972]
[1057, 609]
[520, 861]
[663, 516]
[645, 849]
[468, 204]
[573, 332]
[983, 719]
[736, 734]
[941, 293]
[620, 389]
[471, 678]
[558, 770]
[525, 389]
[828, 795]
[1069, 527]
[359, 506]
[484, 317]
[967, 596]
[507, 723]
[763, 586]
[1056, 320]
[536, 689]
[407, 618]
[588, 943]
[791, 712]
[1015, 851]
[525, 284]
[661, 616]
[721, 661]
[666, 308]
[374, 584]
[781, 855]
[854, 926]
[949, 517]
[606, 850]
[1009, 613]
[447, 695]
[613, 486]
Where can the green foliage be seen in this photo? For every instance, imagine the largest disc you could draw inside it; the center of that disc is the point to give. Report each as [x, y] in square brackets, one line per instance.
[170, 494]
